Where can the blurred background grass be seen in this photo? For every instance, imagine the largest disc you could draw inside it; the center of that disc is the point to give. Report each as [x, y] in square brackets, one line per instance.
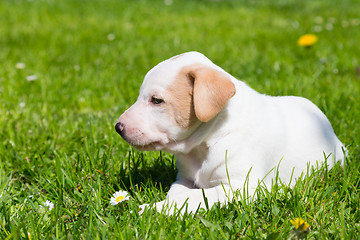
[89, 59]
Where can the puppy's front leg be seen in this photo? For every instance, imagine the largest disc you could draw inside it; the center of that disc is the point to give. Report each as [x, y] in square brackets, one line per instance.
[180, 186]
[188, 199]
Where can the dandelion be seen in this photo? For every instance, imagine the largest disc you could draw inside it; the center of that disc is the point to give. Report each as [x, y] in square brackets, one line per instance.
[22, 104]
[355, 22]
[111, 36]
[344, 23]
[48, 204]
[301, 228]
[329, 26]
[319, 19]
[77, 68]
[118, 197]
[331, 20]
[20, 65]
[296, 24]
[317, 28]
[307, 40]
[168, 2]
[31, 78]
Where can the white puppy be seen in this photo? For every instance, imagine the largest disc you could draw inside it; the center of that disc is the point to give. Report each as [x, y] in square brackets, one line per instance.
[220, 129]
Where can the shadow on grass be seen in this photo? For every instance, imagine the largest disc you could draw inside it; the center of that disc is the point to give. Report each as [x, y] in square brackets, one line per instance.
[142, 170]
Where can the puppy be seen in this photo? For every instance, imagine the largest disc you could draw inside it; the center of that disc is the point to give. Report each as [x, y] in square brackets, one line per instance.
[223, 133]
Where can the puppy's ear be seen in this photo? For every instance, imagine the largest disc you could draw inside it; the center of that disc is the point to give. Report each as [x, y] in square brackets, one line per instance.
[212, 90]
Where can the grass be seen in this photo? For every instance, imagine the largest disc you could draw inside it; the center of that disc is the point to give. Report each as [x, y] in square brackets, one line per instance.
[57, 138]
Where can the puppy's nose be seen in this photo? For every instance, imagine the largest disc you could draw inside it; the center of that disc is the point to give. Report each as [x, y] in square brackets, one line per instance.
[119, 127]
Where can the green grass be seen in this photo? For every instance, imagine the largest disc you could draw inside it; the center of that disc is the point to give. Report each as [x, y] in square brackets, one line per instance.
[57, 138]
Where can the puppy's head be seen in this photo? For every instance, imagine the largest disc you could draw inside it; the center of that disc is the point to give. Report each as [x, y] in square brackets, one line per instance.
[176, 97]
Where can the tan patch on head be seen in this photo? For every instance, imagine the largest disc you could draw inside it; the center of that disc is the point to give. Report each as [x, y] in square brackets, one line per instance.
[179, 99]
[198, 92]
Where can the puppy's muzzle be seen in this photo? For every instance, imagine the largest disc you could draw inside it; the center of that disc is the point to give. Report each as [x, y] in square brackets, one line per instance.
[120, 128]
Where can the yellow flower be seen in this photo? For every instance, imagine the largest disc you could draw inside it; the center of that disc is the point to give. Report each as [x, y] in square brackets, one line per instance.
[307, 40]
[300, 224]
[301, 228]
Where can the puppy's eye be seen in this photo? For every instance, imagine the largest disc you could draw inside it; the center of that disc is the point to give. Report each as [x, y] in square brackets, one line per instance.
[155, 100]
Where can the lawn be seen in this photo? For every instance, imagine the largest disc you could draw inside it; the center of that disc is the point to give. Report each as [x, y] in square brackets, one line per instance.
[70, 68]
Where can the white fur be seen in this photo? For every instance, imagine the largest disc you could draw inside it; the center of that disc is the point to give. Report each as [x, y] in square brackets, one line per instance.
[253, 131]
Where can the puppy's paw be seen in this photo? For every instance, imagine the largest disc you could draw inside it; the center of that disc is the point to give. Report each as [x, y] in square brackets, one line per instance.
[142, 208]
[158, 206]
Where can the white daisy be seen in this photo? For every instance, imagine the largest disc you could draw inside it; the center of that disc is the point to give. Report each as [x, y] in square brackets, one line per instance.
[22, 104]
[48, 204]
[12, 143]
[20, 65]
[31, 78]
[119, 196]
